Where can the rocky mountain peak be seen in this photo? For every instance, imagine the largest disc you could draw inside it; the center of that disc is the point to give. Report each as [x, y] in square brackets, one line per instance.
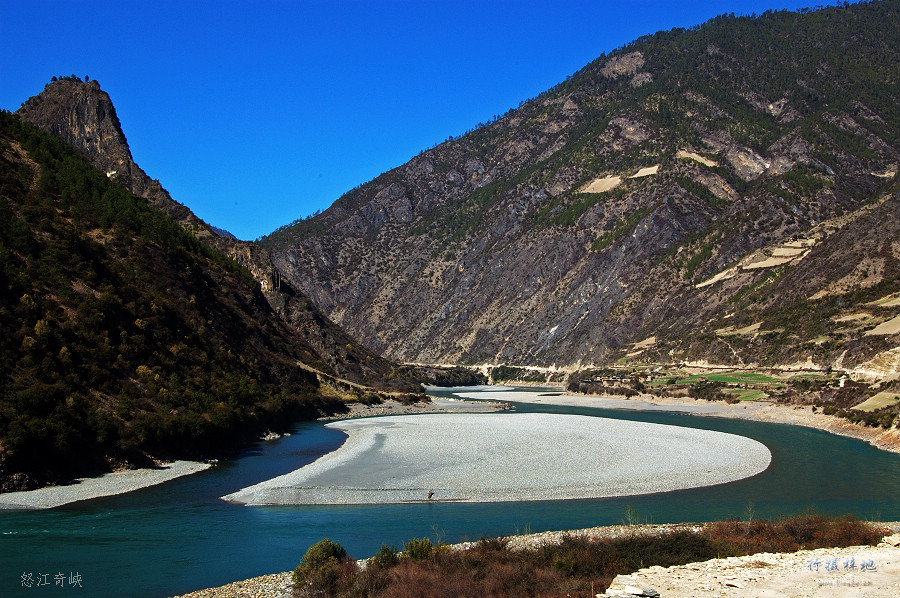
[83, 115]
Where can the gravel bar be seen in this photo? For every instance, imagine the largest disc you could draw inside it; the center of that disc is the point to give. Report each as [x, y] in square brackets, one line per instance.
[509, 457]
[107, 485]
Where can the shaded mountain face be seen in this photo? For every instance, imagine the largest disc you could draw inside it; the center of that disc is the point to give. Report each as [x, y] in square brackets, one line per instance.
[82, 114]
[126, 339]
[726, 193]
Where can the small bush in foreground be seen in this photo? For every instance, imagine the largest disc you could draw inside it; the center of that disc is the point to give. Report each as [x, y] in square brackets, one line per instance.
[385, 558]
[322, 568]
[418, 550]
[323, 553]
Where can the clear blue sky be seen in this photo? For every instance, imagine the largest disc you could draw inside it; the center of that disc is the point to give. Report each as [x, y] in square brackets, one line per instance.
[255, 113]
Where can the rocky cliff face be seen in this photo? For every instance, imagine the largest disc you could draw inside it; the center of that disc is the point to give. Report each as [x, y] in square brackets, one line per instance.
[83, 115]
[702, 194]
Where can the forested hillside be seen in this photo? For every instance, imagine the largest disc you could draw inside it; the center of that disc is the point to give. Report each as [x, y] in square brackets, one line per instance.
[126, 339]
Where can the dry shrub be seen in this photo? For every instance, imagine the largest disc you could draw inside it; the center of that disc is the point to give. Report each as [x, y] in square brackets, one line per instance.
[576, 566]
[414, 579]
[418, 549]
[332, 579]
[736, 538]
[385, 558]
[808, 531]
[819, 531]
[488, 570]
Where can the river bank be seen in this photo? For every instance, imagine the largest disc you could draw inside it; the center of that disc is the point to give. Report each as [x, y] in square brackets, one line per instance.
[488, 400]
[484, 457]
[775, 575]
[762, 411]
[110, 484]
[120, 482]
[871, 571]
[435, 405]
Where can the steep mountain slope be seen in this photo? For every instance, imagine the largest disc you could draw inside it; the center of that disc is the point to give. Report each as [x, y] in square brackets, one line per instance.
[125, 338]
[83, 115]
[709, 191]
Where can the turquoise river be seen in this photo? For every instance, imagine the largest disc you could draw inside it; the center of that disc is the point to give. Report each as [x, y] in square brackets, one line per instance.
[180, 536]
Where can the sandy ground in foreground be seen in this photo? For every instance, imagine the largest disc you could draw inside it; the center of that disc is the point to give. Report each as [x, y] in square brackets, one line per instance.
[872, 571]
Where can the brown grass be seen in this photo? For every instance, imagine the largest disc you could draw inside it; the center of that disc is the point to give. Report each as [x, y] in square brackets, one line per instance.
[576, 566]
